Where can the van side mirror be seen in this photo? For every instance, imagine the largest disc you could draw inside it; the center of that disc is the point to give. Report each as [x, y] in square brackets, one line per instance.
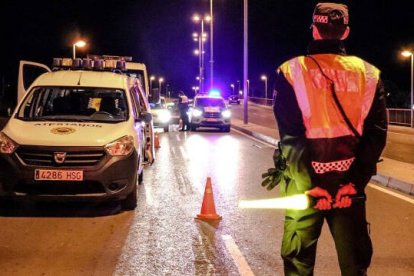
[145, 116]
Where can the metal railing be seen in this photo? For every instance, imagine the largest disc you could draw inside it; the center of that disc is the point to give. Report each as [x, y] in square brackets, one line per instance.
[396, 116]
[262, 101]
[399, 116]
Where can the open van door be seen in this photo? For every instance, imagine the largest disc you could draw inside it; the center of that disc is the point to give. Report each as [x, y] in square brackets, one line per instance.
[139, 70]
[28, 72]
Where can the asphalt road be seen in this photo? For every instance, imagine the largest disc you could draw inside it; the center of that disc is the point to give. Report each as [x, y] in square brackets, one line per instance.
[400, 140]
[162, 236]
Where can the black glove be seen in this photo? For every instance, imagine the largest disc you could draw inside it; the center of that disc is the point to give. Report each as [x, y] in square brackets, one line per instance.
[274, 176]
[271, 178]
[279, 159]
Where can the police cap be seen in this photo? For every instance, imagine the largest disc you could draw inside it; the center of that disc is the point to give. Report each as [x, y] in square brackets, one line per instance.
[330, 13]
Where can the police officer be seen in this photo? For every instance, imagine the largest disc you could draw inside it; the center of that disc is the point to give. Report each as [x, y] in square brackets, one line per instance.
[330, 111]
[183, 108]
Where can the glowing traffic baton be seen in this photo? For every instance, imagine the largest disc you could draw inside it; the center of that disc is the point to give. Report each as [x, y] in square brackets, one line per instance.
[295, 202]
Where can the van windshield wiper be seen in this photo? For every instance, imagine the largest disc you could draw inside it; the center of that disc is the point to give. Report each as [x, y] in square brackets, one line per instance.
[34, 119]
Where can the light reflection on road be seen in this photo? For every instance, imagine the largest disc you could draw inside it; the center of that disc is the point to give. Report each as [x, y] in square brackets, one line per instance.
[216, 156]
[226, 164]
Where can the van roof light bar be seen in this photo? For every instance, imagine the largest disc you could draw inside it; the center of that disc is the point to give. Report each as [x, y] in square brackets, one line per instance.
[93, 62]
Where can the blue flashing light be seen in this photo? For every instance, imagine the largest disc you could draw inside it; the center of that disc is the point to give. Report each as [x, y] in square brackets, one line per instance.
[214, 93]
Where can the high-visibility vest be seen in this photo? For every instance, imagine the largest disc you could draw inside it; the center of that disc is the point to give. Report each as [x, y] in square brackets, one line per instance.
[355, 83]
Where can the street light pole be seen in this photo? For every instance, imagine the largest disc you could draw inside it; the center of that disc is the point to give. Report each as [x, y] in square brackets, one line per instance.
[202, 57]
[167, 90]
[160, 80]
[411, 55]
[211, 45]
[245, 62]
[201, 38]
[79, 44]
[197, 37]
[264, 78]
[152, 78]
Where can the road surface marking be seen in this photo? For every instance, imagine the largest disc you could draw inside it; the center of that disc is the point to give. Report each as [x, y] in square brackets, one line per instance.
[239, 260]
[148, 195]
[183, 153]
[400, 196]
[254, 139]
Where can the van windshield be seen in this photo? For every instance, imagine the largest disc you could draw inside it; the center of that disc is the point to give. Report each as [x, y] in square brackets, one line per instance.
[207, 102]
[74, 104]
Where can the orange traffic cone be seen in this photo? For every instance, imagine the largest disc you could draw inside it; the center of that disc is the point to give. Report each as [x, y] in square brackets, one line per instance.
[156, 141]
[208, 209]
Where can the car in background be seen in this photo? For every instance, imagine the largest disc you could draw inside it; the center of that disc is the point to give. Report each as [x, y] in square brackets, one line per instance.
[209, 111]
[234, 99]
[175, 112]
[161, 115]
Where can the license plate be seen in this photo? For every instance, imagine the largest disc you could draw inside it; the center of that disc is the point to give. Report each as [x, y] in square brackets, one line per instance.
[211, 120]
[59, 175]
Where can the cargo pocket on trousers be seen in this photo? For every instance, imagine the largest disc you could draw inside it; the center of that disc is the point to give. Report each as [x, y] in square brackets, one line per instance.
[291, 242]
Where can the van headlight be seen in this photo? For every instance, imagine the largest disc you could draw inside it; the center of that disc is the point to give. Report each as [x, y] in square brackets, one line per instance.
[164, 116]
[197, 112]
[226, 114]
[7, 145]
[121, 147]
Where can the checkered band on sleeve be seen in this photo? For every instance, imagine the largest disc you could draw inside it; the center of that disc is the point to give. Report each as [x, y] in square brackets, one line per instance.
[340, 165]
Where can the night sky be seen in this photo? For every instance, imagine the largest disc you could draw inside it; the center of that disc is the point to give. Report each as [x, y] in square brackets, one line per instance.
[158, 33]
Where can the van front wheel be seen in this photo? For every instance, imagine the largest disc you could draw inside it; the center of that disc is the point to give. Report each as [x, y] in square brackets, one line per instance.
[130, 202]
[141, 177]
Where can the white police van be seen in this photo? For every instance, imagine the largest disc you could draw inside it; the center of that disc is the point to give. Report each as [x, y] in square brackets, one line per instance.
[82, 130]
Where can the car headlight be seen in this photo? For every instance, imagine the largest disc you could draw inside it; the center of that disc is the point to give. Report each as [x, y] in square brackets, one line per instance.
[164, 116]
[7, 145]
[226, 114]
[197, 112]
[121, 147]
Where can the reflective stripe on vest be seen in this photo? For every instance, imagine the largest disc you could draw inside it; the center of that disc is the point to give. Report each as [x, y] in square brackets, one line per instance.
[355, 85]
[338, 165]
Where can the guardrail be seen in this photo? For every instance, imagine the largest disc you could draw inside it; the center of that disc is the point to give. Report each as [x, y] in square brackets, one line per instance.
[396, 116]
[261, 100]
[399, 116]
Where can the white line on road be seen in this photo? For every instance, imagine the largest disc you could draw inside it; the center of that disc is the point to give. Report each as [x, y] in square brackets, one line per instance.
[149, 199]
[183, 153]
[400, 196]
[239, 260]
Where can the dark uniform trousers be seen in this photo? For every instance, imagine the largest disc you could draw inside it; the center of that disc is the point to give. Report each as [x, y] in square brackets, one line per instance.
[349, 230]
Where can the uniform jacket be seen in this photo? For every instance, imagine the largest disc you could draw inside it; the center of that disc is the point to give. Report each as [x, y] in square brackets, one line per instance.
[320, 148]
